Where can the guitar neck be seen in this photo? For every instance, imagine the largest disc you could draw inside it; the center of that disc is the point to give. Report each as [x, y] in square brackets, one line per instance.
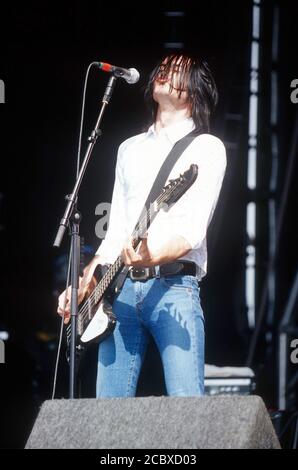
[171, 193]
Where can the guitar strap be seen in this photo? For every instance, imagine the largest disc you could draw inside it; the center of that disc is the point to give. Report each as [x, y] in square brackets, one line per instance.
[160, 180]
[167, 167]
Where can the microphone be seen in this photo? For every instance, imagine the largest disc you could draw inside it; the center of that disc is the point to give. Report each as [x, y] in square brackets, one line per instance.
[130, 75]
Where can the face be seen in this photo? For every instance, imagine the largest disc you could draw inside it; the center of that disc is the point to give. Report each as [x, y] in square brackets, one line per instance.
[171, 80]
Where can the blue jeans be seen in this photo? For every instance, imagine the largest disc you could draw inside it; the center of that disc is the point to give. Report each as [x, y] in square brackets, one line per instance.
[168, 309]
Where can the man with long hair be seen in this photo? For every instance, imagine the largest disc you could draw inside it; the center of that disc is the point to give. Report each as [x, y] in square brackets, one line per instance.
[165, 302]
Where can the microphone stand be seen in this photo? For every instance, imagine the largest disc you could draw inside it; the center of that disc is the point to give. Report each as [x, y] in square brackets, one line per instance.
[72, 218]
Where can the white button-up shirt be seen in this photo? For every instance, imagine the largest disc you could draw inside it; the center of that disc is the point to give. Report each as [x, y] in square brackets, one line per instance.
[138, 162]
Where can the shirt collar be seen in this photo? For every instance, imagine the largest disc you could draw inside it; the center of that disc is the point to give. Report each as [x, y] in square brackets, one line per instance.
[175, 131]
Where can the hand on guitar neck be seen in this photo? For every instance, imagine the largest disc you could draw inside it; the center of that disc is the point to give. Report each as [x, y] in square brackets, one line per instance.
[87, 283]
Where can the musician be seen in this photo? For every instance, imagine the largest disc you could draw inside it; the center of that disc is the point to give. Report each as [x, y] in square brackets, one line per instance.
[162, 301]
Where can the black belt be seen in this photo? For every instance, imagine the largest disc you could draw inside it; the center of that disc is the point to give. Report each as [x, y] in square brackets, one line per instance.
[183, 268]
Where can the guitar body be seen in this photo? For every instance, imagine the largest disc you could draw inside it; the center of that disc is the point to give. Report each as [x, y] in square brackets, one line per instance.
[100, 321]
[103, 322]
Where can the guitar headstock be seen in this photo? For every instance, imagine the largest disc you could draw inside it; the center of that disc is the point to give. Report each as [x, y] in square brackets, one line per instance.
[178, 186]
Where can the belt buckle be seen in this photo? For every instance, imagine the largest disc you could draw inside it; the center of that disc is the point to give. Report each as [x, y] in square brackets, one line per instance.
[141, 274]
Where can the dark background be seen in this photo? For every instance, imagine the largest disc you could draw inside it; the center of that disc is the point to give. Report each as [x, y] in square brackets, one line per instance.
[45, 50]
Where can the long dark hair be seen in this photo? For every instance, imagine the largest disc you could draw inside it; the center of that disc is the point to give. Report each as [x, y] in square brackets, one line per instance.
[196, 78]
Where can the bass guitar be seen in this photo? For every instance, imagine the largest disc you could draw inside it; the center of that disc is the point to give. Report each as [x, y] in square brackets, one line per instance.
[96, 319]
